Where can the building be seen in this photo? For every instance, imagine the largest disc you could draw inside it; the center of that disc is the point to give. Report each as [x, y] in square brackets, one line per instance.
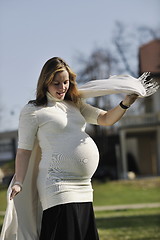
[140, 134]
[8, 146]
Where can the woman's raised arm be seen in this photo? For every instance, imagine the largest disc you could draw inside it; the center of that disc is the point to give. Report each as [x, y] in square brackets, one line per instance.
[108, 118]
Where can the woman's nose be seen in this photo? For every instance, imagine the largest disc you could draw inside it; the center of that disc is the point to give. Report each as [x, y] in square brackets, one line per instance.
[62, 86]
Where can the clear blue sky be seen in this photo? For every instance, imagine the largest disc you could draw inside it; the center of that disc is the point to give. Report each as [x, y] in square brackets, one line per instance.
[32, 31]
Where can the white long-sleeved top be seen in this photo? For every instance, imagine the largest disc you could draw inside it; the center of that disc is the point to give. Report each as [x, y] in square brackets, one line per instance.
[69, 156]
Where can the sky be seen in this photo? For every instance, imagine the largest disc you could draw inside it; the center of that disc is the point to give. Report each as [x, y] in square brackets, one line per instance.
[32, 31]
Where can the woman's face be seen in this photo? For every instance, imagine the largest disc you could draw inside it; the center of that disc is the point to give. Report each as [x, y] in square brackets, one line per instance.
[60, 85]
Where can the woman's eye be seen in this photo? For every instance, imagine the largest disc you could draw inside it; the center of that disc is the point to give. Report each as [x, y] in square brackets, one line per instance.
[55, 83]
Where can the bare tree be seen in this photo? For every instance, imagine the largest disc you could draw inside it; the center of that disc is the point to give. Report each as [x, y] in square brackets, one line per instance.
[98, 65]
[127, 42]
[124, 59]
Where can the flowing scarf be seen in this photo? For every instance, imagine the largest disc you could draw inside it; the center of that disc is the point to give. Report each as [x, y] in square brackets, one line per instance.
[23, 214]
[142, 86]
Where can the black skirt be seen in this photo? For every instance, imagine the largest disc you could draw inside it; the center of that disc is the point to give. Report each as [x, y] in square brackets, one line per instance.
[71, 221]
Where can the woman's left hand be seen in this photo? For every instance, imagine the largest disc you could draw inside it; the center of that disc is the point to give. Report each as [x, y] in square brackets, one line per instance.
[130, 99]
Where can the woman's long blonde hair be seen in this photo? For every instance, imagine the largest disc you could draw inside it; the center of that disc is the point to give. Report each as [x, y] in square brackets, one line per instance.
[50, 68]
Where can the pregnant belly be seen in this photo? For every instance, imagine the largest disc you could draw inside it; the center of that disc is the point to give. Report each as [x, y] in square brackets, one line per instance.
[75, 159]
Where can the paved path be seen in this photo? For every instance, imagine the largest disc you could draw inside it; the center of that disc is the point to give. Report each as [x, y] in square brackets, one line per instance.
[127, 206]
[119, 207]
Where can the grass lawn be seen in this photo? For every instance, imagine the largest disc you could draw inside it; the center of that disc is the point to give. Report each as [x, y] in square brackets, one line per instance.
[127, 192]
[142, 224]
[3, 202]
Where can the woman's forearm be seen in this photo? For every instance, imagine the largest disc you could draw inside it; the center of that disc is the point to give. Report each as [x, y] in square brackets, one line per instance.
[112, 116]
[22, 160]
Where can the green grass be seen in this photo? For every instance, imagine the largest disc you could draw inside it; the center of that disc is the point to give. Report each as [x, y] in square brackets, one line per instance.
[127, 192]
[3, 201]
[142, 224]
[137, 224]
[8, 168]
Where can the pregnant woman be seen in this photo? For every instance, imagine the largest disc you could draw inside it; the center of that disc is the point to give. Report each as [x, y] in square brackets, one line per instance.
[68, 158]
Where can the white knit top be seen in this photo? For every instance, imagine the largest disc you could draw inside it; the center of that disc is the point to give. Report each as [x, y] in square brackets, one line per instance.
[69, 156]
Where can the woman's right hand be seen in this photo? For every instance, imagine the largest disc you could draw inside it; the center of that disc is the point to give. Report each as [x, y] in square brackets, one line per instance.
[15, 190]
[22, 160]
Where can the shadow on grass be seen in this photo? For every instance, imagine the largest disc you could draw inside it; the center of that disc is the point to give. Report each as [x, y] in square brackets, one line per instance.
[130, 221]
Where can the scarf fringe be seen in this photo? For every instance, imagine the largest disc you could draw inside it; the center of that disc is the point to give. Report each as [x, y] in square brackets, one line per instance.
[150, 85]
